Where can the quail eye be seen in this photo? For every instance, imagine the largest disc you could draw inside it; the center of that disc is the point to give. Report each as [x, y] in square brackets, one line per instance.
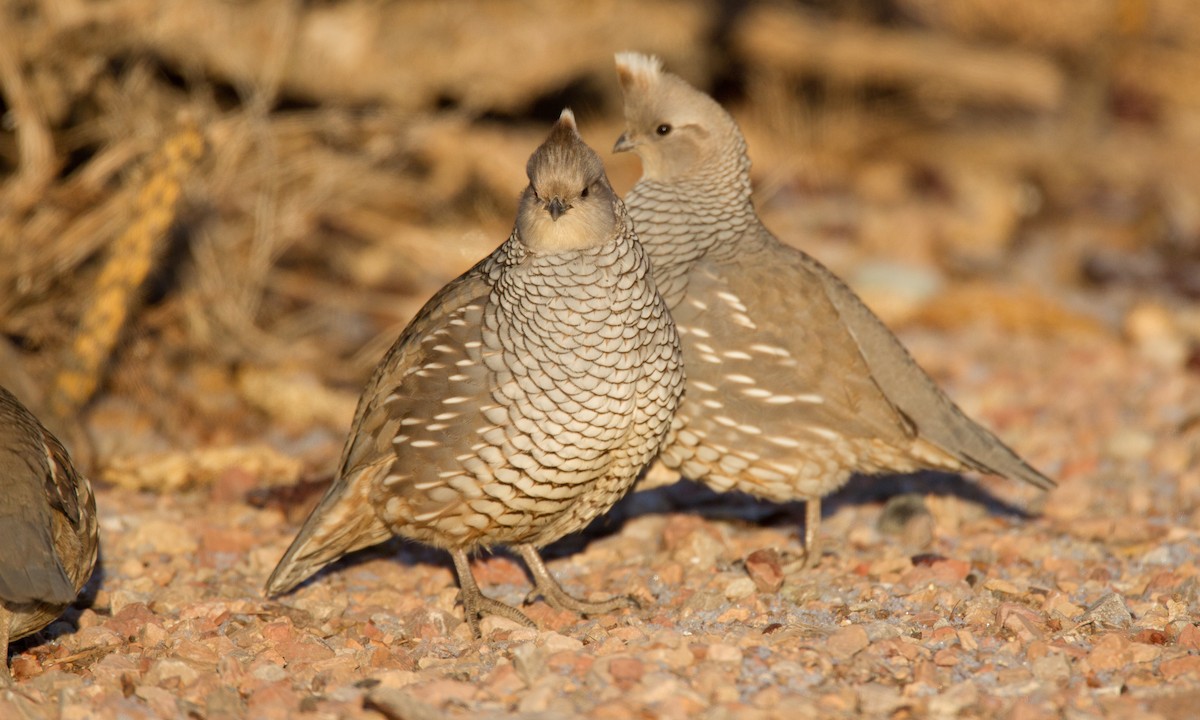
[583, 193]
[663, 129]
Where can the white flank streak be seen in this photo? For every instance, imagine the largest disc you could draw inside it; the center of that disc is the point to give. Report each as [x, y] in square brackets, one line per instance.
[737, 355]
[424, 443]
[743, 379]
[769, 350]
[744, 321]
[734, 301]
[823, 432]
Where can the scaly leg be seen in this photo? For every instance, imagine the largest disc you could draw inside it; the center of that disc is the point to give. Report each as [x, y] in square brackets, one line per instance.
[812, 532]
[556, 597]
[475, 603]
[5, 618]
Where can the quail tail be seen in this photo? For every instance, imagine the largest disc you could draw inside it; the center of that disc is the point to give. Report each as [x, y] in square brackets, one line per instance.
[338, 525]
[913, 392]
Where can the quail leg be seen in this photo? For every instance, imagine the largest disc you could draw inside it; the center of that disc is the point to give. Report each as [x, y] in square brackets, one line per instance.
[475, 603]
[812, 532]
[5, 675]
[556, 597]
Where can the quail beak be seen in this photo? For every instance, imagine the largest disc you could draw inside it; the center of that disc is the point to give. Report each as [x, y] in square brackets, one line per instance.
[624, 144]
[556, 208]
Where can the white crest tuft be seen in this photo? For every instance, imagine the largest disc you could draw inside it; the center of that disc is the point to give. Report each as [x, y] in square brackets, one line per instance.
[568, 117]
[633, 67]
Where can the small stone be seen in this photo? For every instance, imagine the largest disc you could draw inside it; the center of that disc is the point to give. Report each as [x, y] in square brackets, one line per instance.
[1022, 621]
[878, 700]
[1108, 612]
[529, 662]
[957, 698]
[723, 653]
[1189, 637]
[1109, 652]
[492, 624]
[625, 671]
[397, 704]
[847, 642]
[1187, 665]
[1052, 667]
[554, 642]
[692, 542]
[169, 668]
[740, 588]
[1002, 589]
[765, 570]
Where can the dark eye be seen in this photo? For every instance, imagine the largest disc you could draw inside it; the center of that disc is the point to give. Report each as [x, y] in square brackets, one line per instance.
[583, 193]
[663, 129]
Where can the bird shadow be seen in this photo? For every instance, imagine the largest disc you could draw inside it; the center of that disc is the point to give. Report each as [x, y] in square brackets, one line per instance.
[688, 497]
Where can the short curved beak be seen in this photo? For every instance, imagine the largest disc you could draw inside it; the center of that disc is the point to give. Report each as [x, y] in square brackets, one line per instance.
[624, 144]
[556, 207]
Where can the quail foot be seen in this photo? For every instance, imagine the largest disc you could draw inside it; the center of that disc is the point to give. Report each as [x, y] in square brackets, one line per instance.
[792, 383]
[48, 525]
[522, 400]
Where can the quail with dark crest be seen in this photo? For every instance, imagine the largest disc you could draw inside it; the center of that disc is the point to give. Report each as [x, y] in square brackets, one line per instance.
[521, 402]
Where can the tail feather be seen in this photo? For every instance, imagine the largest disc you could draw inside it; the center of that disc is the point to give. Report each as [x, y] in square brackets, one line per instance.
[934, 415]
[344, 521]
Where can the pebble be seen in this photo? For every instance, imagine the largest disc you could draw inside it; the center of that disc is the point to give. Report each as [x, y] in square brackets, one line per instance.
[740, 588]
[847, 642]
[765, 570]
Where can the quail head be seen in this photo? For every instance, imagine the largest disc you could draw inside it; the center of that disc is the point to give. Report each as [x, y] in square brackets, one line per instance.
[522, 400]
[793, 384]
[48, 522]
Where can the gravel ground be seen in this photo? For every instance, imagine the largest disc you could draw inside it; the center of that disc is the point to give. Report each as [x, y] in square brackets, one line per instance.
[935, 597]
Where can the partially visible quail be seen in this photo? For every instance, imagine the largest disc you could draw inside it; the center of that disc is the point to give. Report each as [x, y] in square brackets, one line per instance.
[521, 402]
[47, 525]
[793, 384]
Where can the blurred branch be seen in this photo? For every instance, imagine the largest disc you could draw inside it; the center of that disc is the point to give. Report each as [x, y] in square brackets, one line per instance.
[791, 40]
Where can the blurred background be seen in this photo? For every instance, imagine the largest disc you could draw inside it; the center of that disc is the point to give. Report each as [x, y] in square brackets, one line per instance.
[215, 215]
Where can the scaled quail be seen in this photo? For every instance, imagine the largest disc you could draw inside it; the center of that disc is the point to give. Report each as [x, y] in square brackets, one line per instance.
[793, 384]
[521, 402]
[47, 525]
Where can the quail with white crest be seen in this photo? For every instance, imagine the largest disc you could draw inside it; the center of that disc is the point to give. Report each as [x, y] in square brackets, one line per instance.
[522, 400]
[793, 383]
[48, 524]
